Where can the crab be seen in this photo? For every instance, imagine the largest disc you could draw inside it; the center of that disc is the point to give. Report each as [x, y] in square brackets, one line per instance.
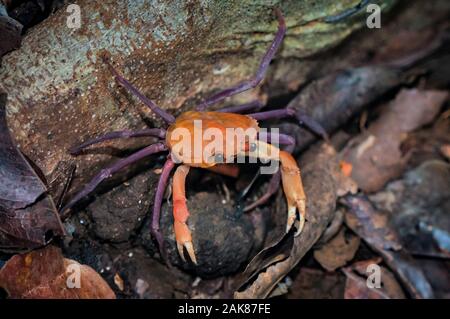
[257, 144]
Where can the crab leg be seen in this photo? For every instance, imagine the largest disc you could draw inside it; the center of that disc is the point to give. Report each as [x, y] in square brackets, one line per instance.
[293, 189]
[273, 187]
[275, 180]
[161, 133]
[180, 213]
[260, 73]
[304, 119]
[253, 105]
[162, 184]
[283, 139]
[107, 172]
[169, 118]
[292, 182]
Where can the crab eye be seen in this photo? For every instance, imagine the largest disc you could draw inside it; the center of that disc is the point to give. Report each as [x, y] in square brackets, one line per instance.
[252, 147]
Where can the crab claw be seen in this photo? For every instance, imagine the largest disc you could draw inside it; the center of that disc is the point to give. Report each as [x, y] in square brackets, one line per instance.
[292, 183]
[184, 240]
[293, 190]
[181, 213]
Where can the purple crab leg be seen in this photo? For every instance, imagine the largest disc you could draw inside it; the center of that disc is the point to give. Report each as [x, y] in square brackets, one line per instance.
[254, 105]
[156, 132]
[167, 117]
[283, 139]
[304, 119]
[274, 183]
[273, 187]
[274, 114]
[107, 172]
[162, 184]
[260, 73]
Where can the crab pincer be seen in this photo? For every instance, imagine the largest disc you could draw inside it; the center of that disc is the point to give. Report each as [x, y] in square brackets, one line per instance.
[291, 180]
[293, 190]
[181, 213]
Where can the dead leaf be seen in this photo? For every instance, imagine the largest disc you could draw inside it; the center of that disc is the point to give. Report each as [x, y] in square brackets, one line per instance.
[338, 251]
[332, 229]
[375, 155]
[273, 252]
[28, 217]
[438, 275]
[445, 150]
[418, 204]
[317, 284]
[429, 143]
[10, 32]
[46, 274]
[372, 226]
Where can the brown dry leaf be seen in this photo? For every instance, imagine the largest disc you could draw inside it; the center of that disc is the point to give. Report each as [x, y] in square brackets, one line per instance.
[361, 266]
[332, 229]
[46, 274]
[317, 284]
[445, 150]
[430, 142]
[371, 224]
[338, 251]
[418, 204]
[373, 227]
[376, 155]
[10, 33]
[28, 216]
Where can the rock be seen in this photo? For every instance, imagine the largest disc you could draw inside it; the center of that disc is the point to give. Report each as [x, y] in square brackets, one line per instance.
[221, 240]
[146, 278]
[119, 212]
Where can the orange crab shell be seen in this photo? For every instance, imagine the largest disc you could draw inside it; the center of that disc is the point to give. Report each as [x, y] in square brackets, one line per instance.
[194, 135]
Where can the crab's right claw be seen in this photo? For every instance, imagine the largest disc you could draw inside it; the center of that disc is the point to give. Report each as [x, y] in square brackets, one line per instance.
[181, 213]
[184, 240]
[293, 190]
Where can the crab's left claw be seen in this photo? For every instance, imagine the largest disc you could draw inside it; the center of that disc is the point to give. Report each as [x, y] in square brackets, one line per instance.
[293, 190]
[292, 182]
[180, 214]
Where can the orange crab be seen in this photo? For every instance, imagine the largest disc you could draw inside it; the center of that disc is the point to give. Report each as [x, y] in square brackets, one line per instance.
[247, 141]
